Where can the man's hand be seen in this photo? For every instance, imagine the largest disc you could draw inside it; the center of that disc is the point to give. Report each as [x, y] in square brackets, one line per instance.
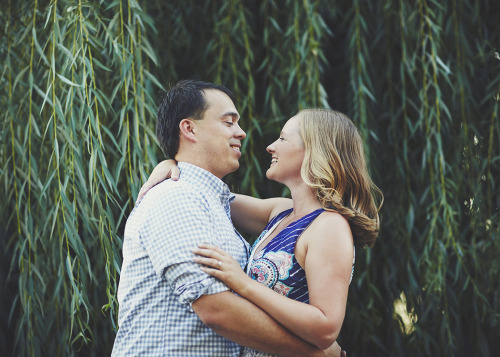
[332, 351]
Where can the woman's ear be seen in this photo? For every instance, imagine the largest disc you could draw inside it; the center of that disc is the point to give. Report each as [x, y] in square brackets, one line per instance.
[187, 129]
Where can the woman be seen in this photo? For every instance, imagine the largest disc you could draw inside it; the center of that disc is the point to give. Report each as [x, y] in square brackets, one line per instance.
[305, 252]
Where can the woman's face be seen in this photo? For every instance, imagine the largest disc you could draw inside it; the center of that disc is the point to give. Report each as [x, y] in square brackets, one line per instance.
[287, 154]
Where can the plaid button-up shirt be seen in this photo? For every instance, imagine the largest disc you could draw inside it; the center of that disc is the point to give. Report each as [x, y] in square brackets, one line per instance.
[159, 280]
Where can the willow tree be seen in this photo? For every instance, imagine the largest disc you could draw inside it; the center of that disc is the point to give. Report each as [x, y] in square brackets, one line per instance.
[421, 80]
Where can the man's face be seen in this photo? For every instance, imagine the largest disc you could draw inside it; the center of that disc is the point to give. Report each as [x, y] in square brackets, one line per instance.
[219, 134]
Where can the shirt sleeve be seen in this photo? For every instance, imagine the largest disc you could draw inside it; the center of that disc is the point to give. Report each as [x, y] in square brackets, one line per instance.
[177, 220]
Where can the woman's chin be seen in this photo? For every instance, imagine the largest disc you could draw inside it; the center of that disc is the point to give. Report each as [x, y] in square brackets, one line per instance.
[270, 176]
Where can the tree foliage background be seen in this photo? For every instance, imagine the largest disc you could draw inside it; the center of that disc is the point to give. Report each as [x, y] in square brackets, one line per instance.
[421, 80]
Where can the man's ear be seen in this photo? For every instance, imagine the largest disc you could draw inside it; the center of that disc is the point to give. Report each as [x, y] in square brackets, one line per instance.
[187, 129]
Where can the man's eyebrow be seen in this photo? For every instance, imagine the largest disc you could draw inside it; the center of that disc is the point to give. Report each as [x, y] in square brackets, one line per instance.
[230, 114]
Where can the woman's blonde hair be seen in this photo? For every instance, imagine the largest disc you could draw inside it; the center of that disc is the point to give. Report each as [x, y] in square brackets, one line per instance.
[335, 168]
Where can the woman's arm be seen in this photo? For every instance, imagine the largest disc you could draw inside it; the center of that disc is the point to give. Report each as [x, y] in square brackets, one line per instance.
[328, 263]
[251, 215]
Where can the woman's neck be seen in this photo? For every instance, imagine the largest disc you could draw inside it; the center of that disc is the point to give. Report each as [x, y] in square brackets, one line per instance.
[304, 200]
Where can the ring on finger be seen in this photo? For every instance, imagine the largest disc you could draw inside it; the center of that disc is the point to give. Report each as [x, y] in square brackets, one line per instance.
[219, 263]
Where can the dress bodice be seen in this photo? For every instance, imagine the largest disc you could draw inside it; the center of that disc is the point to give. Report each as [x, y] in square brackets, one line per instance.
[275, 265]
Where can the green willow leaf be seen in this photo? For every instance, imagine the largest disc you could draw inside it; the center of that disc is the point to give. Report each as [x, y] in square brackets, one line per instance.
[67, 81]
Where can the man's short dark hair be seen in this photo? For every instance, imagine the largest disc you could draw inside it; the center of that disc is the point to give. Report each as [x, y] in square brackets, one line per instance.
[184, 100]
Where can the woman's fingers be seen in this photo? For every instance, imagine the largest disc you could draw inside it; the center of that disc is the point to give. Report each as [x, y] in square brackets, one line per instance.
[164, 170]
[211, 251]
[212, 247]
[174, 174]
[208, 253]
[217, 263]
[210, 262]
[213, 257]
[210, 258]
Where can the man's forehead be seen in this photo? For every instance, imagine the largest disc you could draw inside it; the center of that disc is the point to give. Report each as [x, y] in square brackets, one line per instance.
[216, 94]
[220, 101]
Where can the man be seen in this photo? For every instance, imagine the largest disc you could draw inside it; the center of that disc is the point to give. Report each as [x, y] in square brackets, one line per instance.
[168, 306]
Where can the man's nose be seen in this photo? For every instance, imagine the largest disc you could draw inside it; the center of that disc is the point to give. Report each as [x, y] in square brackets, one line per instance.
[240, 133]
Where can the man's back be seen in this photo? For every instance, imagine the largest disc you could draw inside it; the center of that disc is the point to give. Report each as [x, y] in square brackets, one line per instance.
[159, 280]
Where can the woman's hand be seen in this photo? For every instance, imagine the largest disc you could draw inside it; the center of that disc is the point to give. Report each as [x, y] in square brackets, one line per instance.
[164, 170]
[222, 266]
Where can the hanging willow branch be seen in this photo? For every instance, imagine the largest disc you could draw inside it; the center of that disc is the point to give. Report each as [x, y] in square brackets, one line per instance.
[80, 82]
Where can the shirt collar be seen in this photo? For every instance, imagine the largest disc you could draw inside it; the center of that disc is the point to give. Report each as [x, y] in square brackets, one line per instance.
[205, 179]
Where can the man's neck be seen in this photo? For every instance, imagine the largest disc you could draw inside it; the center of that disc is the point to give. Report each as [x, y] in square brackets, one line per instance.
[194, 160]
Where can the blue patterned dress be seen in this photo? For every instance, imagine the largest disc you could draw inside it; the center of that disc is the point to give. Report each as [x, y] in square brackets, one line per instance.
[275, 265]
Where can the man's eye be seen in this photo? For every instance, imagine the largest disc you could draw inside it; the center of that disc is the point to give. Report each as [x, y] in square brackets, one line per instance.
[229, 123]
[281, 138]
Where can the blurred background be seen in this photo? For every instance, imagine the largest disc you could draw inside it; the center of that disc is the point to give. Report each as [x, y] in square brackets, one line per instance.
[80, 83]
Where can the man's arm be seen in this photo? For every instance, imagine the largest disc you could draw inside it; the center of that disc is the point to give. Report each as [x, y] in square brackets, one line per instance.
[244, 323]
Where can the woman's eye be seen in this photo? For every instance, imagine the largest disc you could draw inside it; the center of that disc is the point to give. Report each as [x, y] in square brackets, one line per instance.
[229, 123]
[281, 138]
